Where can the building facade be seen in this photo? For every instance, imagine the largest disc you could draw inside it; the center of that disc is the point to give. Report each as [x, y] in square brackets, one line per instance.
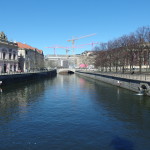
[30, 58]
[60, 61]
[87, 58]
[8, 55]
[71, 61]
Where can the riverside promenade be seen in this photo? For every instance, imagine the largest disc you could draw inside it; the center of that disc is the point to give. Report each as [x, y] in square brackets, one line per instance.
[135, 76]
[18, 77]
[145, 76]
[135, 82]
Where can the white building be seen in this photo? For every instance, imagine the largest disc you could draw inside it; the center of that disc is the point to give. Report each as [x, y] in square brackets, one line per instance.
[30, 58]
[8, 55]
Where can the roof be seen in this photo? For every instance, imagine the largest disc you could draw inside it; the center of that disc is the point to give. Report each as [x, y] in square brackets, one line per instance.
[25, 46]
[40, 51]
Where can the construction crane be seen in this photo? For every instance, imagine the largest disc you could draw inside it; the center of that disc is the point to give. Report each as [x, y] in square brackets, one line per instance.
[73, 40]
[67, 49]
[93, 43]
[54, 47]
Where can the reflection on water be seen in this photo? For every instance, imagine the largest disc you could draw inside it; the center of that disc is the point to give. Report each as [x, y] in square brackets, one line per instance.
[16, 98]
[70, 112]
[140, 94]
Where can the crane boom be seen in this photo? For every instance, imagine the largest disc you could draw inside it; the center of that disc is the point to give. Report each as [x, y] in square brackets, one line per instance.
[93, 43]
[54, 47]
[89, 43]
[82, 37]
[73, 40]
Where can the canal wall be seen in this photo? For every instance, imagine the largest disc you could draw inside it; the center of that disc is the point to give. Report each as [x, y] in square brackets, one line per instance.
[131, 84]
[8, 79]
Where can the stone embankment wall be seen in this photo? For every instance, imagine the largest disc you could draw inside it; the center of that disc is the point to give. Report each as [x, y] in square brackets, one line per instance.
[22, 77]
[130, 84]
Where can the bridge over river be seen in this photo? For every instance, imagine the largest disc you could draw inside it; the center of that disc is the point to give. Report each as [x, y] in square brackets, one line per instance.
[66, 70]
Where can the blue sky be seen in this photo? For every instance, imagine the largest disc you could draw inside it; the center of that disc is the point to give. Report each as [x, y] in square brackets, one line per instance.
[46, 23]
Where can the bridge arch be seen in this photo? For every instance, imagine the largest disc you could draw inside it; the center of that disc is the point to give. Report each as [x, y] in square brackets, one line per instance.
[66, 70]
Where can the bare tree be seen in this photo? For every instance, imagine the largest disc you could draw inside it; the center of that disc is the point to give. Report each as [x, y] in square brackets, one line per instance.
[141, 40]
[128, 50]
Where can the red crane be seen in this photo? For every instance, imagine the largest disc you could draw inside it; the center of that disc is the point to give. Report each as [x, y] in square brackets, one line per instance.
[67, 49]
[73, 40]
[54, 47]
[93, 43]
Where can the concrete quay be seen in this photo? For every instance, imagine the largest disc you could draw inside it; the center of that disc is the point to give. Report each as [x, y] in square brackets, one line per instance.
[15, 78]
[139, 83]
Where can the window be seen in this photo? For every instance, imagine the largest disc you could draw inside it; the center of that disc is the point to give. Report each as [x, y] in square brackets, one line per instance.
[10, 67]
[14, 67]
[14, 56]
[4, 55]
[10, 56]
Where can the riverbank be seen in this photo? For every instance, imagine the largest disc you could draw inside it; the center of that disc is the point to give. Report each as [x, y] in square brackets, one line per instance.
[136, 83]
[22, 77]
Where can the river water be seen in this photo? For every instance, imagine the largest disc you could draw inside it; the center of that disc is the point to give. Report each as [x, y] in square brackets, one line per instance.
[69, 112]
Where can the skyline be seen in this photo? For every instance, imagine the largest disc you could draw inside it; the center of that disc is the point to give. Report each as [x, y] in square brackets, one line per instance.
[47, 23]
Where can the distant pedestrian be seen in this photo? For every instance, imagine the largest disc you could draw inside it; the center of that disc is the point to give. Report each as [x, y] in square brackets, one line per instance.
[132, 71]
